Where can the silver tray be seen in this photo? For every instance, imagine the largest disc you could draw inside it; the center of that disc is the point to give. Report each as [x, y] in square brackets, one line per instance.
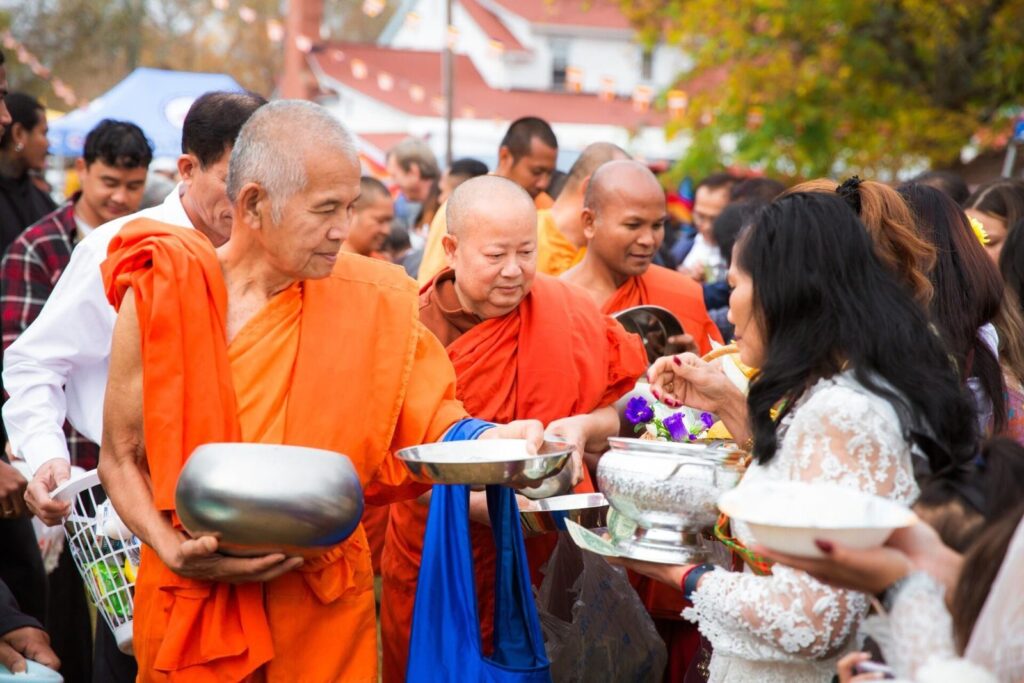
[655, 325]
[482, 462]
[589, 510]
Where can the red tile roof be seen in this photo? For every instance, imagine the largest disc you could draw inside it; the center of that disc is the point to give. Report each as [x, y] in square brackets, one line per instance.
[490, 24]
[410, 72]
[592, 14]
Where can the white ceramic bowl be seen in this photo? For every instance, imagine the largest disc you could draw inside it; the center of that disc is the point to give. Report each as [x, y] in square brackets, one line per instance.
[788, 516]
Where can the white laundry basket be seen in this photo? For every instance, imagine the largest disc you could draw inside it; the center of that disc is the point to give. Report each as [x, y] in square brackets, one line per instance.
[105, 552]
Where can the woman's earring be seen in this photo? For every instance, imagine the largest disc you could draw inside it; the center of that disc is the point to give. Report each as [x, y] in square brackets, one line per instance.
[18, 147]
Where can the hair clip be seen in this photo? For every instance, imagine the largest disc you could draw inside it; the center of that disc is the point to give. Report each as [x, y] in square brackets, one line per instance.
[850, 192]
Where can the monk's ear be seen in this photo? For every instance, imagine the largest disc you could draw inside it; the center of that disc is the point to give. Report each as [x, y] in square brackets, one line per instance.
[249, 204]
[450, 243]
[505, 161]
[588, 223]
[186, 167]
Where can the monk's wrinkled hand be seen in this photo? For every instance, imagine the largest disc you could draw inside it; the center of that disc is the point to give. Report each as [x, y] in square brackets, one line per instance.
[49, 476]
[26, 643]
[530, 430]
[197, 558]
[574, 431]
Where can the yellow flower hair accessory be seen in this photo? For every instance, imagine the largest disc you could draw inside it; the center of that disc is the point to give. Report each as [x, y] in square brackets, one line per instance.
[979, 232]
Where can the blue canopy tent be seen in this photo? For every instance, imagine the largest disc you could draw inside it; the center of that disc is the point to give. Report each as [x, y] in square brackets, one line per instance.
[153, 99]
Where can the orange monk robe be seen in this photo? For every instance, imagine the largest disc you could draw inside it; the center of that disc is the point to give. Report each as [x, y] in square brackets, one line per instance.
[341, 364]
[434, 260]
[672, 290]
[555, 253]
[556, 355]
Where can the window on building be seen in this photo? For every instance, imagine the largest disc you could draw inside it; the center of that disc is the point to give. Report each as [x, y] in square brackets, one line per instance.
[559, 62]
[647, 64]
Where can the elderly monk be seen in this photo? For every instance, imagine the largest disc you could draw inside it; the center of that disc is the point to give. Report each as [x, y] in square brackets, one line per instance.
[371, 219]
[526, 156]
[523, 345]
[274, 338]
[560, 239]
[624, 222]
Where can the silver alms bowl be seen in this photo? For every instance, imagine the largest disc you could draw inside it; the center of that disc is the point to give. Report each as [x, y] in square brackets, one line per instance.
[259, 498]
[670, 490]
[485, 461]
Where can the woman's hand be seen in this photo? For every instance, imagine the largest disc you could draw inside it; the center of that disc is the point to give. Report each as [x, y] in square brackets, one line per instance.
[686, 380]
[668, 574]
[914, 548]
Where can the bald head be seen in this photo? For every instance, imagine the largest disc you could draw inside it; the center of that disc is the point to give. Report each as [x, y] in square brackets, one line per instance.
[371, 191]
[479, 199]
[623, 218]
[491, 244]
[622, 181]
[593, 156]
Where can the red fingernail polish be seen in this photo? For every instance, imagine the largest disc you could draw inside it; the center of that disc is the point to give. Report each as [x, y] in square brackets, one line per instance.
[675, 359]
[824, 546]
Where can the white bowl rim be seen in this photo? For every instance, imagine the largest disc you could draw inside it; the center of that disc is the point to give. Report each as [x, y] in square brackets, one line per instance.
[732, 502]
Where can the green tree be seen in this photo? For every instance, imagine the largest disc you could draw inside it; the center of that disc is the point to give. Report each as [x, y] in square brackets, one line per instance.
[817, 87]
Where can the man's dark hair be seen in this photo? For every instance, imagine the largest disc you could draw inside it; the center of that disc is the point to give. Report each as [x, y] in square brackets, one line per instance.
[118, 144]
[213, 121]
[731, 222]
[522, 132]
[716, 181]
[756, 189]
[467, 167]
[2, 58]
[25, 110]
[947, 181]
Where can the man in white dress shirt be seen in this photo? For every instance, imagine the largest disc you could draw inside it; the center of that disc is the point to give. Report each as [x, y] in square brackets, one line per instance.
[57, 368]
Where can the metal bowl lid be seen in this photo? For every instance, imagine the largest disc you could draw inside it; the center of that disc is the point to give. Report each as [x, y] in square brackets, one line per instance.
[655, 325]
[718, 451]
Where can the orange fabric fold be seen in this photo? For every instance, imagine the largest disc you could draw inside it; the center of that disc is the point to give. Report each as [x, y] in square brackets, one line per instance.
[678, 293]
[280, 381]
[556, 355]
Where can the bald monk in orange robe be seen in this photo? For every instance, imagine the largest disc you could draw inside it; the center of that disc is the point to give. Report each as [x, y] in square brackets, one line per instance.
[561, 243]
[523, 345]
[624, 222]
[272, 338]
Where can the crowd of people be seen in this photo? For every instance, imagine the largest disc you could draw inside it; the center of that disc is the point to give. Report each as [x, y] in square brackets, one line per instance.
[277, 294]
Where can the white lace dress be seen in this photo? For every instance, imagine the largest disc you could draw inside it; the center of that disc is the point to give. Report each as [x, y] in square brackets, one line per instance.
[787, 627]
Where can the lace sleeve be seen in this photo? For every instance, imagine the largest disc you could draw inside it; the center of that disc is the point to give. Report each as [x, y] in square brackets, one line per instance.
[839, 435]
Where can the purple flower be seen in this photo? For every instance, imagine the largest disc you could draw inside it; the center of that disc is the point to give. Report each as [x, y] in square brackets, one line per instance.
[638, 410]
[675, 426]
[708, 419]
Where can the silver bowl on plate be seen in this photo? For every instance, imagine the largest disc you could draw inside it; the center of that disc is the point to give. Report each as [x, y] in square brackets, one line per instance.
[589, 510]
[669, 490]
[485, 461]
[260, 498]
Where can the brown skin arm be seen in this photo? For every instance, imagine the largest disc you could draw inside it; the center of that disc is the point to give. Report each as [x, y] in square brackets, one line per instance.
[125, 475]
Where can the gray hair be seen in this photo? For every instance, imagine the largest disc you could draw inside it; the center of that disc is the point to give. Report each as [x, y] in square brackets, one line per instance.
[272, 145]
[416, 151]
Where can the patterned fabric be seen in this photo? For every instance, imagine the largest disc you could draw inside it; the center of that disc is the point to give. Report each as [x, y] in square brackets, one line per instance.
[29, 270]
[788, 627]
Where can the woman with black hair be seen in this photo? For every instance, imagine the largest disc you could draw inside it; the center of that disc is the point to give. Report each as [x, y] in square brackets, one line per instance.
[23, 149]
[841, 398]
[968, 292]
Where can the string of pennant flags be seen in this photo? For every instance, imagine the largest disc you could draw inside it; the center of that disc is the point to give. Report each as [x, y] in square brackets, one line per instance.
[61, 89]
[642, 96]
